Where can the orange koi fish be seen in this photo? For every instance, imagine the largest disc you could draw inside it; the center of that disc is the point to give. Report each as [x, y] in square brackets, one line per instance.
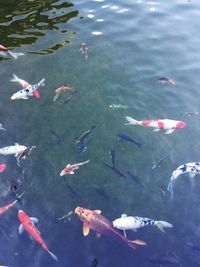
[61, 89]
[9, 206]
[92, 219]
[27, 223]
[69, 169]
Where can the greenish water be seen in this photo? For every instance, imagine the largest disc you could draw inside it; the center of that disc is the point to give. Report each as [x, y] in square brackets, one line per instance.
[139, 41]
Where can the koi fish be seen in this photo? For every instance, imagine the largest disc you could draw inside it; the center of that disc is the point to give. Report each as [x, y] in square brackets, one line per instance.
[157, 163]
[192, 168]
[133, 223]
[84, 50]
[9, 206]
[117, 106]
[59, 90]
[29, 90]
[16, 150]
[166, 124]
[4, 49]
[70, 97]
[3, 167]
[60, 140]
[27, 223]
[165, 80]
[83, 136]
[129, 139]
[116, 170]
[69, 169]
[92, 219]
[68, 214]
[24, 154]
[1, 127]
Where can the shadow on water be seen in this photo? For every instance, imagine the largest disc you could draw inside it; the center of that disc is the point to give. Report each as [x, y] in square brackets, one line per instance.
[25, 22]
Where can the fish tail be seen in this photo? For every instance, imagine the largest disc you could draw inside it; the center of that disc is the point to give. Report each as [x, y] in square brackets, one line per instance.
[170, 188]
[53, 255]
[87, 161]
[15, 78]
[163, 224]
[2, 53]
[15, 54]
[133, 243]
[42, 82]
[132, 121]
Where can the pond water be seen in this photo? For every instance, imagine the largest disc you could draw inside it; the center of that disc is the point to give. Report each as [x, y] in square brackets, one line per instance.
[130, 44]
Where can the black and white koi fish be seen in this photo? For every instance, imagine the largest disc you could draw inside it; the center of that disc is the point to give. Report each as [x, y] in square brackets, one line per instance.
[16, 150]
[133, 223]
[28, 89]
[192, 168]
[84, 50]
[157, 163]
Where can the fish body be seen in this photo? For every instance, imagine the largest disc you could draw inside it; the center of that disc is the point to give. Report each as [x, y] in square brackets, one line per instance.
[28, 89]
[27, 223]
[73, 190]
[92, 219]
[157, 163]
[83, 136]
[84, 50]
[70, 97]
[113, 156]
[128, 139]
[165, 80]
[133, 223]
[116, 170]
[166, 124]
[16, 150]
[4, 49]
[59, 90]
[69, 169]
[136, 179]
[4, 209]
[191, 168]
[3, 167]
[60, 140]
[117, 106]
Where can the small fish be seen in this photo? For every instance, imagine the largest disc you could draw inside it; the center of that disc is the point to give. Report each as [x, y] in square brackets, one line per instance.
[24, 154]
[84, 50]
[129, 139]
[136, 179]
[60, 140]
[27, 223]
[16, 150]
[4, 49]
[59, 90]
[1, 127]
[165, 80]
[70, 97]
[92, 219]
[3, 167]
[94, 263]
[157, 163]
[133, 223]
[189, 114]
[29, 90]
[113, 156]
[83, 145]
[164, 260]
[192, 168]
[83, 136]
[168, 125]
[9, 206]
[115, 169]
[117, 106]
[73, 190]
[100, 192]
[69, 169]
[68, 214]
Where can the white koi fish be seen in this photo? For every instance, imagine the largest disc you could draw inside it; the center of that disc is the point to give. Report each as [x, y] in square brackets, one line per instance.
[69, 169]
[133, 223]
[117, 106]
[192, 168]
[166, 124]
[84, 50]
[16, 150]
[29, 90]
[4, 50]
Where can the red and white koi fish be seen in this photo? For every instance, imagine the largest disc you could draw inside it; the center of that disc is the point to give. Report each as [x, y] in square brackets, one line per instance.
[4, 49]
[27, 223]
[69, 169]
[29, 89]
[9, 206]
[166, 124]
[61, 89]
[3, 167]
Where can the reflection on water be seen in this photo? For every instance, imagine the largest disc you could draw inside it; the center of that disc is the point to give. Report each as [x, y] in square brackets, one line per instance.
[25, 22]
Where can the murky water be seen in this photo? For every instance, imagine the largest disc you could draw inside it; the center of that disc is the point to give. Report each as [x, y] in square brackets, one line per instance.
[130, 43]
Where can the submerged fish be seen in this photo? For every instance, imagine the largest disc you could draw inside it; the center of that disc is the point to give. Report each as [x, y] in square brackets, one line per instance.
[157, 163]
[133, 223]
[165, 260]
[69, 169]
[73, 190]
[59, 90]
[94, 263]
[68, 214]
[113, 156]
[116, 170]
[84, 50]
[4, 50]
[190, 113]
[165, 80]
[191, 168]
[29, 90]
[168, 125]
[136, 179]
[117, 106]
[129, 139]
[60, 140]
[92, 219]
[70, 97]
[27, 223]
[83, 136]
[193, 246]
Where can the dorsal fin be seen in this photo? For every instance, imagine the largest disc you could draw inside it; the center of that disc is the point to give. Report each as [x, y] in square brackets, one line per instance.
[123, 215]
[97, 211]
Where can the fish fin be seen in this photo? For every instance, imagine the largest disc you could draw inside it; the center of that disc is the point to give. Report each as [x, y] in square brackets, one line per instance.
[42, 82]
[36, 94]
[67, 165]
[170, 188]
[20, 81]
[169, 131]
[86, 229]
[30, 237]
[52, 255]
[3, 54]
[132, 121]
[24, 97]
[15, 55]
[16, 155]
[124, 233]
[98, 235]
[71, 172]
[34, 220]
[16, 144]
[123, 215]
[133, 243]
[191, 175]
[97, 211]
[21, 229]
[134, 230]
[163, 224]
[156, 130]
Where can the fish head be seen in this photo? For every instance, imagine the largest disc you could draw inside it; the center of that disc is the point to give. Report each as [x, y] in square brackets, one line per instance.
[180, 125]
[19, 95]
[63, 172]
[21, 215]
[84, 214]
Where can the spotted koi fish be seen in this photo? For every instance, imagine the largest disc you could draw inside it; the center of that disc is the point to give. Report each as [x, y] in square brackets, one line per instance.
[168, 125]
[92, 219]
[69, 169]
[28, 89]
[192, 168]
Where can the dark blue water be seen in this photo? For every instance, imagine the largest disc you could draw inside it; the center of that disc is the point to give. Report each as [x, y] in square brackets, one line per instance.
[129, 44]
